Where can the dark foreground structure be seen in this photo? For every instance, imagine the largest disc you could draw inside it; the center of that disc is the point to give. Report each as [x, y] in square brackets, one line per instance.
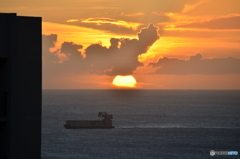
[20, 86]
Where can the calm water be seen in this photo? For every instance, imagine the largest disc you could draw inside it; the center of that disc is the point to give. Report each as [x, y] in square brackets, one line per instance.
[149, 123]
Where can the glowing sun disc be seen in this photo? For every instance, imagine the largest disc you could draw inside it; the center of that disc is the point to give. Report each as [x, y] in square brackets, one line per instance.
[124, 81]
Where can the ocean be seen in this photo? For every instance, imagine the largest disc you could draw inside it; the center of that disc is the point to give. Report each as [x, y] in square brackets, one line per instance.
[149, 124]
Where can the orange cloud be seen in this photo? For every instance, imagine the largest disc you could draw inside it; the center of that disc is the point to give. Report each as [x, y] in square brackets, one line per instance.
[230, 23]
[104, 8]
[168, 14]
[72, 20]
[189, 7]
[73, 33]
[174, 28]
[99, 21]
[186, 22]
[132, 15]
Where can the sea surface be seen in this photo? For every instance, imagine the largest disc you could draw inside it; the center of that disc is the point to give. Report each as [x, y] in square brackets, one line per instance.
[150, 124]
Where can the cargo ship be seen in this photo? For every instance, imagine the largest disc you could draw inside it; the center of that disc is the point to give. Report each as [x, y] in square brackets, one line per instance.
[105, 123]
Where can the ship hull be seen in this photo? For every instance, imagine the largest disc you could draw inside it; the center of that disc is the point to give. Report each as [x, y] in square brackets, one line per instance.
[89, 124]
[81, 127]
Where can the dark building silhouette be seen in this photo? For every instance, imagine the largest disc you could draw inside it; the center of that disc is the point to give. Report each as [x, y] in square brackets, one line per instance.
[20, 86]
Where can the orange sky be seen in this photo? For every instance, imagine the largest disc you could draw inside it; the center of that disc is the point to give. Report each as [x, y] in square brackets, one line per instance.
[207, 31]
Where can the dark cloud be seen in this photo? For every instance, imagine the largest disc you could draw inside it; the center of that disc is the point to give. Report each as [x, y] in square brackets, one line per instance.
[221, 23]
[72, 50]
[98, 58]
[67, 58]
[48, 41]
[121, 58]
[197, 65]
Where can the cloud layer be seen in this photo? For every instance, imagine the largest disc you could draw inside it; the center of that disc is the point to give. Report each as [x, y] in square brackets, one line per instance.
[197, 65]
[121, 58]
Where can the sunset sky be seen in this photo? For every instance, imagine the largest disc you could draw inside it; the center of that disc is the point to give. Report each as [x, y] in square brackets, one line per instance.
[164, 44]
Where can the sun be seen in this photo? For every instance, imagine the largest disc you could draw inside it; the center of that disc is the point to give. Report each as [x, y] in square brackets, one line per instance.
[124, 81]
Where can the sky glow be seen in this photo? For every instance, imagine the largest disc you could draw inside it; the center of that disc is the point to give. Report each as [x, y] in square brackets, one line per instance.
[161, 43]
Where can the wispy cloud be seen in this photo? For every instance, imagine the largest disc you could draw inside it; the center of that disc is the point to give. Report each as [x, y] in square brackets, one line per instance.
[72, 20]
[224, 22]
[184, 22]
[100, 21]
[132, 15]
[93, 0]
[168, 14]
[191, 7]
[104, 8]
